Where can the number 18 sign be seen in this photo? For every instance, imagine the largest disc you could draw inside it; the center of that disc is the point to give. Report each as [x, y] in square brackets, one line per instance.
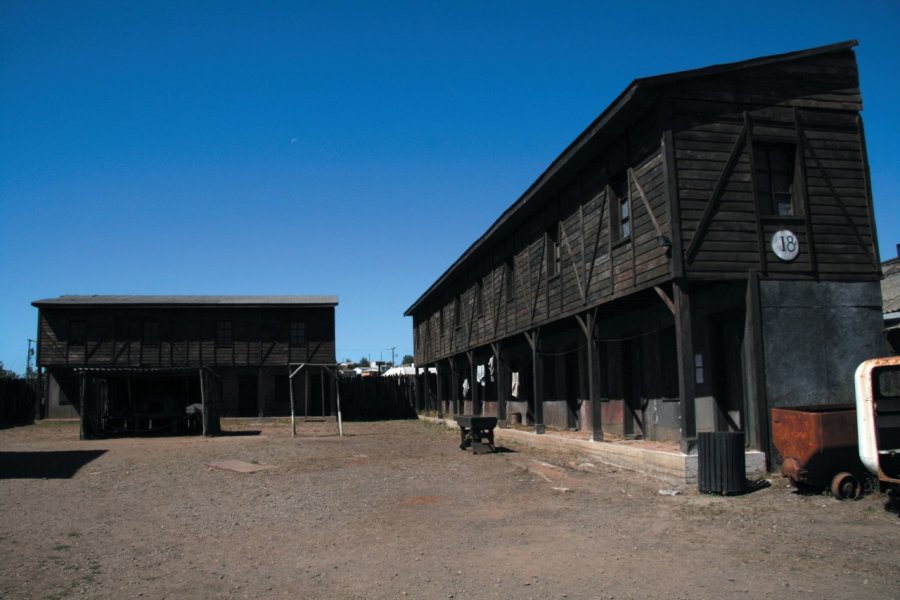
[785, 245]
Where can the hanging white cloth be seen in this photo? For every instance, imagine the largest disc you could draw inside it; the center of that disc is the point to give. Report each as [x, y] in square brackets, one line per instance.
[465, 387]
[479, 374]
[491, 368]
[515, 384]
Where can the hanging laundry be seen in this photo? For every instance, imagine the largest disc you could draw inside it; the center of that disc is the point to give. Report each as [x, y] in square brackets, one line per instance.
[466, 387]
[491, 368]
[479, 374]
[515, 384]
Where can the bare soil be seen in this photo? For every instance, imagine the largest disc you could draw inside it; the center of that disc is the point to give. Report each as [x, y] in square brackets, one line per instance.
[395, 509]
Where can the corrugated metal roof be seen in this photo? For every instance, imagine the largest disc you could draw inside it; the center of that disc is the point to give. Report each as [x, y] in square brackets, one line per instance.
[115, 300]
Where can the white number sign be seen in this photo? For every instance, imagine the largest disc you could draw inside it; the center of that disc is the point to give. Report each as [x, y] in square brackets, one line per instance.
[785, 245]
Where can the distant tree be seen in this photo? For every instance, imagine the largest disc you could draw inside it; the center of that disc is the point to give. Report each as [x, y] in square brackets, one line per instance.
[364, 362]
[6, 374]
[408, 359]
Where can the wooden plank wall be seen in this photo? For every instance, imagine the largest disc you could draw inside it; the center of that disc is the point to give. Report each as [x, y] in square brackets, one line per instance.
[593, 268]
[261, 337]
[813, 103]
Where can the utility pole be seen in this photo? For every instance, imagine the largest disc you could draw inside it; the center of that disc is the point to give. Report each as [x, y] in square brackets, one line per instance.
[393, 348]
[28, 360]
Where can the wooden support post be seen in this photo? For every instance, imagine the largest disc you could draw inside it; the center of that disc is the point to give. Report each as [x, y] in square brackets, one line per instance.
[305, 395]
[537, 370]
[501, 378]
[473, 383]
[454, 388]
[291, 391]
[81, 407]
[685, 350]
[439, 389]
[587, 323]
[757, 409]
[322, 389]
[204, 405]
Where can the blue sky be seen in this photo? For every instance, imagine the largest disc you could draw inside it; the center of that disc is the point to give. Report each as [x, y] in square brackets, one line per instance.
[349, 148]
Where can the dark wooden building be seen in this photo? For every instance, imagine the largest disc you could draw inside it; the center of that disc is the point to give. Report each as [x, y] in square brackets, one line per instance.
[705, 250]
[143, 360]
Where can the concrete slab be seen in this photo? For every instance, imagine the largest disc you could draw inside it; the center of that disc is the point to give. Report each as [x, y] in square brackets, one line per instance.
[669, 466]
[239, 466]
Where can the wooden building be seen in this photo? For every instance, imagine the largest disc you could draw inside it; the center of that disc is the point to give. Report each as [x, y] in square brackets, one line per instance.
[139, 362]
[705, 250]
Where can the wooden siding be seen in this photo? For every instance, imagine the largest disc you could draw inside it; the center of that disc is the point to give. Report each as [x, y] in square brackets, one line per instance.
[187, 337]
[710, 122]
[592, 269]
[812, 104]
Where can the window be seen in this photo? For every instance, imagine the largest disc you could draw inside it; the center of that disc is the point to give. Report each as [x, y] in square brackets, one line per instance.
[441, 321]
[510, 279]
[151, 333]
[620, 208]
[76, 333]
[775, 177]
[552, 250]
[457, 313]
[223, 333]
[479, 298]
[298, 333]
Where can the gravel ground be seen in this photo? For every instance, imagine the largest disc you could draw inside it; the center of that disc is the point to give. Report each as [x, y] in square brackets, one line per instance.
[395, 509]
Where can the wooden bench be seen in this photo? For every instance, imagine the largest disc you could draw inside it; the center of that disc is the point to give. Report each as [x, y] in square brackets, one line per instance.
[477, 432]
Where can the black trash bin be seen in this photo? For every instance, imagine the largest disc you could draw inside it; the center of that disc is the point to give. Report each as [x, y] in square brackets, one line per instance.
[720, 457]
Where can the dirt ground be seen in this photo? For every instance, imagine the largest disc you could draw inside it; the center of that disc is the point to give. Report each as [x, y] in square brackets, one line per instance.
[395, 509]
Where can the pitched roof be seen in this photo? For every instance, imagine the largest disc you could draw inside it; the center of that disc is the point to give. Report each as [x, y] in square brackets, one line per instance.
[162, 301]
[633, 94]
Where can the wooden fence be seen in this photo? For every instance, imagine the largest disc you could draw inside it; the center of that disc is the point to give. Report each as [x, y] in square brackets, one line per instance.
[17, 401]
[378, 398]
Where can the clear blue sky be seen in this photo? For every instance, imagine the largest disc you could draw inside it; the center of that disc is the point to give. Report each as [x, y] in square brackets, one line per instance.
[338, 148]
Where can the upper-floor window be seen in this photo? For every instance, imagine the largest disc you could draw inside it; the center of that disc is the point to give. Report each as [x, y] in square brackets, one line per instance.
[776, 177]
[620, 208]
[298, 333]
[552, 251]
[223, 333]
[76, 333]
[151, 333]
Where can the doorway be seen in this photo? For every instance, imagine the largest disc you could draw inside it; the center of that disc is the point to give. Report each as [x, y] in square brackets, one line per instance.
[632, 388]
[728, 380]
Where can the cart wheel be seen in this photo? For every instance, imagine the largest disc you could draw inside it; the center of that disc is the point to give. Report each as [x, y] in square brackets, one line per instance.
[845, 486]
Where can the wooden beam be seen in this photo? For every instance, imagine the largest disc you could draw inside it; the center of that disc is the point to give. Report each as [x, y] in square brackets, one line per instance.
[760, 235]
[501, 382]
[541, 266]
[659, 231]
[876, 257]
[665, 298]
[537, 370]
[685, 352]
[590, 275]
[807, 217]
[717, 193]
[574, 263]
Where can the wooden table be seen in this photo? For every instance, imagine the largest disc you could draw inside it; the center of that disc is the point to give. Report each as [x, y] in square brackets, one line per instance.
[477, 432]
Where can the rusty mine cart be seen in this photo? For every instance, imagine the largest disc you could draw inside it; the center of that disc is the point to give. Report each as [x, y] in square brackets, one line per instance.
[819, 448]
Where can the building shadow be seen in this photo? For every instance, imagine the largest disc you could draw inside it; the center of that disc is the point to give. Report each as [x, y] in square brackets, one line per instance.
[45, 465]
[239, 433]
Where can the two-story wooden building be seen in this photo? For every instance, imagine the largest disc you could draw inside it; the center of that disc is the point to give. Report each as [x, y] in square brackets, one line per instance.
[141, 363]
[705, 250]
